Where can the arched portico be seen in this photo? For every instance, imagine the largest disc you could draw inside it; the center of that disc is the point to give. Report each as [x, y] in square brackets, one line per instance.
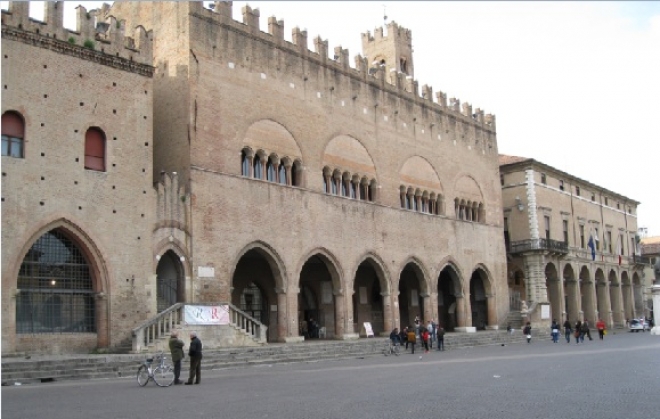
[602, 299]
[483, 309]
[413, 295]
[554, 287]
[258, 284]
[587, 293]
[321, 300]
[450, 297]
[371, 297]
[571, 295]
[615, 299]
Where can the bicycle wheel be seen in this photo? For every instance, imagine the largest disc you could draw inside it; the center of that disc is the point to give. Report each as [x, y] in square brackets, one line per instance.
[164, 376]
[142, 376]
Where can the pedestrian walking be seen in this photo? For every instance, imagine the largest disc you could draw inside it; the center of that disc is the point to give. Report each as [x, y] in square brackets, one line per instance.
[527, 331]
[578, 332]
[600, 325]
[412, 339]
[568, 330]
[554, 328]
[176, 350]
[431, 327]
[195, 354]
[585, 330]
[441, 338]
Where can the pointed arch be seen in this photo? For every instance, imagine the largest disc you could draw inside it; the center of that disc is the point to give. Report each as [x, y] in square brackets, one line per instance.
[273, 259]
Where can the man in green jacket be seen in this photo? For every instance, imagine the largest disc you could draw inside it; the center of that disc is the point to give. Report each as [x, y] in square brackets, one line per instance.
[176, 348]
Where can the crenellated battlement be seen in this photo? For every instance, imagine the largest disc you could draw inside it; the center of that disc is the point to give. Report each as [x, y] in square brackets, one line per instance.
[95, 30]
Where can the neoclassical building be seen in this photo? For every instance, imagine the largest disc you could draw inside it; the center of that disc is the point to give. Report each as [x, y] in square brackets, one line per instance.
[226, 164]
[571, 246]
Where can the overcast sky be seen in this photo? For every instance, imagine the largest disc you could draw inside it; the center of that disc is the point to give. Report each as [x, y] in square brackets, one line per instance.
[575, 85]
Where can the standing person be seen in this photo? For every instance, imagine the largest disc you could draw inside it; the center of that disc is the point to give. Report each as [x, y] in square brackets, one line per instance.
[412, 339]
[425, 339]
[578, 332]
[600, 325]
[585, 330]
[403, 337]
[527, 331]
[431, 328]
[195, 354]
[176, 349]
[567, 331]
[441, 338]
[555, 330]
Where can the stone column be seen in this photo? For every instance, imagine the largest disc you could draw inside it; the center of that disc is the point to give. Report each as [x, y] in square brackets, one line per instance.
[492, 312]
[464, 314]
[428, 310]
[282, 319]
[101, 312]
[292, 332]
[655, 292]
[387, 313]
[617, 304]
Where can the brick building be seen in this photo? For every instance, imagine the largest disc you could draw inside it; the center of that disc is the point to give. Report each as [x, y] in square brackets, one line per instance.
[248, 170]
[571, 247]
[78, 202]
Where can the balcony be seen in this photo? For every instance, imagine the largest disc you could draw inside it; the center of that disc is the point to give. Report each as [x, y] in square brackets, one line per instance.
[548, 245]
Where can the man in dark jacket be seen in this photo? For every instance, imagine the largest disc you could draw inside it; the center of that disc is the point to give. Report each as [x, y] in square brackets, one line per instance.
[176, 349]
[195, 354]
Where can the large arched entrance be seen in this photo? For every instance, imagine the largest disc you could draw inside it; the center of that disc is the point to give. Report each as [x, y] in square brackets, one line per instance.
[449, 286]
[587, 294]
[571, 295]
[57, 286]
[602, 298]
[170, 281]
[254, 282]
[626, 291]
[517, 289]
[615, 299]
[411, 289]
[553, 287]
[370, 292]
[317, 312]
[479, 292]
[638, 295]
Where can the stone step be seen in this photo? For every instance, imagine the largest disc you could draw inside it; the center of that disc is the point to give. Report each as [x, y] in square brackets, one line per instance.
[81, 367]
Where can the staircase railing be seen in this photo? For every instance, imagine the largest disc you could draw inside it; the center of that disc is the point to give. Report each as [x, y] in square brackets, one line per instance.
[172, 318]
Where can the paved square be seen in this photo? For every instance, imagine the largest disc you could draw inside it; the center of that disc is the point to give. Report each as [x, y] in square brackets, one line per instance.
[616, 378]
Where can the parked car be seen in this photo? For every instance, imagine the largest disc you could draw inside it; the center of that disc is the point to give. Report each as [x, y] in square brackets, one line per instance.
[636, 325]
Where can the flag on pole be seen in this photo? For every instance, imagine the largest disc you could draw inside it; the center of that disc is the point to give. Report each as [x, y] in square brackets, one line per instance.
[618, 248]
[592, 245]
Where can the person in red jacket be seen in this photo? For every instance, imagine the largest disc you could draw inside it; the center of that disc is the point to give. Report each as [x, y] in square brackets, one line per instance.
[600, 325]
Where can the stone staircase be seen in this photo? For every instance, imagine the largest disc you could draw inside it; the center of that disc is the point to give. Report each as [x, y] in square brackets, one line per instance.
[43, 369]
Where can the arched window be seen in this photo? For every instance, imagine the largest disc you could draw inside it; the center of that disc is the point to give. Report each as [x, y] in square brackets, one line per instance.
[282, 175]
[257, 167]
[333, 184]
[270, 171]
[296, 174]
[13, 134]
[344, 192]
[95, 150]
[245, 163]
[55, 288]
[353, 190]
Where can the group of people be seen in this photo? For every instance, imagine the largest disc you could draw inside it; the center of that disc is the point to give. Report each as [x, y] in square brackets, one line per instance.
[309, 329]
[579, 331]
[426, 335]
[194, 353]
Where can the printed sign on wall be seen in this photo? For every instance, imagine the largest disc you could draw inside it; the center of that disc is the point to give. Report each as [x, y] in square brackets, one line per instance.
[217, 315]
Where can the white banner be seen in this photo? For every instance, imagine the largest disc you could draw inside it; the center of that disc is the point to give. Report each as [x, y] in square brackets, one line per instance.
[207, 314]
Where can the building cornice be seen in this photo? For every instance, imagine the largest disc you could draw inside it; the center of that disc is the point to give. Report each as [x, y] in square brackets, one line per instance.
[76, 51]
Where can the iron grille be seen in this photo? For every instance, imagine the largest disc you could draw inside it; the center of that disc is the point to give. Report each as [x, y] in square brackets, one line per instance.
[55, 288]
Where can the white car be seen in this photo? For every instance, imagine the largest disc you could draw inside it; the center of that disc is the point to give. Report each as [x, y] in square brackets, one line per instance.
[636, 325]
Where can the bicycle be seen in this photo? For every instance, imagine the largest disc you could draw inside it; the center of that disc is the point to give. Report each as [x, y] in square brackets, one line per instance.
[391, 348]
[162, 374]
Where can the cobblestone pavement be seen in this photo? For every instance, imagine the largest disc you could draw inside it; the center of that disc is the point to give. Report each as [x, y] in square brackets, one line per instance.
[615, 378]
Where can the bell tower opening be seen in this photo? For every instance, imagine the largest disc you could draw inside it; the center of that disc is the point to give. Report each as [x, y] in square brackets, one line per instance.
[393, 50]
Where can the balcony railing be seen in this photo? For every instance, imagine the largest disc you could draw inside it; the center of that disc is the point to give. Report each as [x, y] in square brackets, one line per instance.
[539, 244]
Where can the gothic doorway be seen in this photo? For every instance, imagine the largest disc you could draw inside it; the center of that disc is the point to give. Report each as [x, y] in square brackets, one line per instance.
[170, 280]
